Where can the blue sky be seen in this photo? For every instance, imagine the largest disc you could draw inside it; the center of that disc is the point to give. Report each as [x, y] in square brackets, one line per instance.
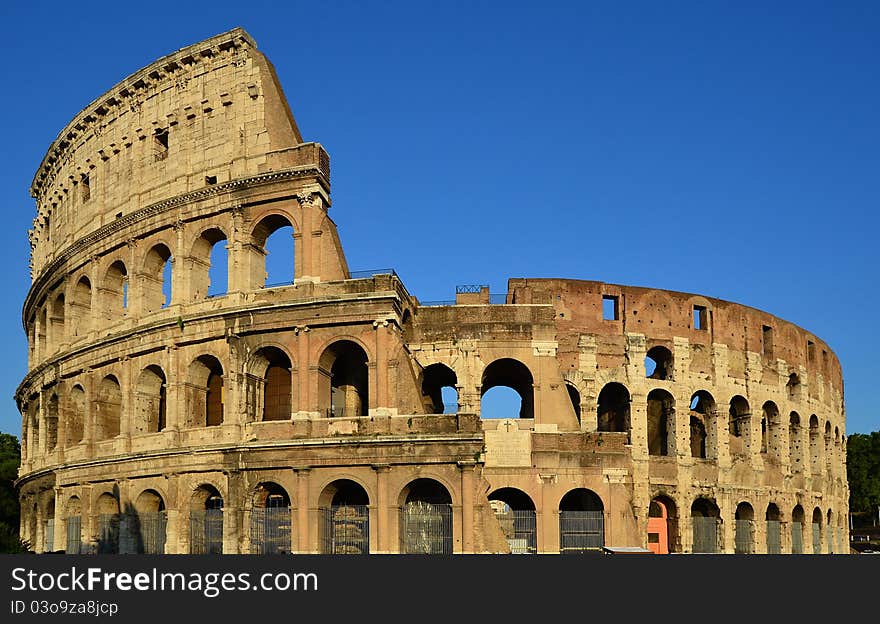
[729, 149]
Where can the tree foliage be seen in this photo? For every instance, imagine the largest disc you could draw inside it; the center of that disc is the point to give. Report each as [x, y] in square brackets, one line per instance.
[10, 458]
[863, 471]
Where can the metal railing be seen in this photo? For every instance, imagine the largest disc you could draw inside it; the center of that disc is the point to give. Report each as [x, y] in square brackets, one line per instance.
[774, 537]
[520, 529]
[345, 530]
[371, 273]
[206, 532]
[270, 530]
[437, 303]
[797, 538]
[426, 528]
[344, 412]
[829, 539]
[470, 288]
[151, 530]
[73, 526]
[49, 541]
[108, 534]
[581, 531]
[705, 534]
[817, 538]
[743, 542]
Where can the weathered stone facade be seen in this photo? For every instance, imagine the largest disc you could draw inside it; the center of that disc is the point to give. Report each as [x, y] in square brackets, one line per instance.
[309, 417]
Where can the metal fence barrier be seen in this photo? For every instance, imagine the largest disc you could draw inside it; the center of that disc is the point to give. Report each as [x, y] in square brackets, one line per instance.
[426, 528]
[108, 534]
[151, 528]
[817, 538]
[270, 530]
[581, 531]
[49, 542]
[520, 529]
[743, 542]
[774, 537]
[74, 535]
[345, 530]
[797, 538]
[705, 534]
[206, 532]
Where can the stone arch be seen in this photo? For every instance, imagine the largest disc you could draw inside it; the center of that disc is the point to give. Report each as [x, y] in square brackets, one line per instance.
[581, 522]
[661, 423]
[72, 513]
[439, 389]
[344, 505]
[659, 363]
[205, 384]
[344, 379]
[265, 228]
[797, 530]
[426, 525]
[574, 396]
[744, 530]
[513, 374]
[52, 422]
[815, 445]
[56, 322]
[108, 513]
[773, 519]
[795, 443]
[816, 532]
[154, 274]
[150, 400]
[76, 415]
[739, 427]
[148, 523]
[270, 384]
[706, 520]
[81, 308]
[206, 520]
[206, 264]
[114, 292]
[613, 408]
[270, 520]
[703, 425]
[771, 427]
[515, 512]
[663, 535]
[108, 408]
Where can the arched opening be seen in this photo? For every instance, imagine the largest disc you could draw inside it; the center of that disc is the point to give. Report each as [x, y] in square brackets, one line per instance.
[659, 363]
[114, 293]
[793, 387]
[829, 534]
[147, 523]
[829, 448]
[797, 530]
[81, 308]
[744, 535]
[205, 390]
[439, 393]
[815, 446]
[52, 423]
[817, 531]
[500, 378]
[613, 408]
[270, 384]
[661, 421]
[33, 420]
[49, 524]
[209, 265]
[706, 519]
[270, 520]
[774, 530]
[663, 535]
[76, 415]
[107, 507]
[581, 522]
[73, 526]
[739, 427]
[56, 322]
[771, 425]
[108, 409]
[345, 513]
[575, 397]
[515, 512]
[150, 400]
[344, 380]
[32, 524]
[795, 443]
[42, 331]
[272, 258]
[156, 279]
[702, 425]
[206, 521]
[426, 518]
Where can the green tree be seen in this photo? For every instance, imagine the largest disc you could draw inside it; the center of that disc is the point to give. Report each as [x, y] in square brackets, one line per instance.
[863, 472]
[10, 458]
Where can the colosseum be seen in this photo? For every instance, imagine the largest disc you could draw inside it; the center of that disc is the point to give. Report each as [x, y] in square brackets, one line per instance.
[336, 413]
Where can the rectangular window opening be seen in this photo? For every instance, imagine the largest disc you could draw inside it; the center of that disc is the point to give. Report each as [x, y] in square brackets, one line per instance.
[701, 320]
[610, 308]
[209, 180]
[85, 188]
[767, 340]
[811, 352]
[161, 143]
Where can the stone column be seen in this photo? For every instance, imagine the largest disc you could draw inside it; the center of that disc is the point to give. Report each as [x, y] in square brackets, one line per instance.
[383, 529]
[467, 506]
[302, 510]
[381, 369]
[232, 506]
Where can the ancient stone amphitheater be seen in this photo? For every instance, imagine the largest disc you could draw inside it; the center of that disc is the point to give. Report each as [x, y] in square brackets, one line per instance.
[337, 413]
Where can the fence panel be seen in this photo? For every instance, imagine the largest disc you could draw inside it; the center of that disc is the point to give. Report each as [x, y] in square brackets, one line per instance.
[797, 538]
[270, 530]
[152, 532]
[774, 537]
[743, 542]
[74, 535]
[817, 539]
[581, 531]
[346, 530]
[206, 532]
[49, 533]
[426, 528]
[108, 534]
[705, 534]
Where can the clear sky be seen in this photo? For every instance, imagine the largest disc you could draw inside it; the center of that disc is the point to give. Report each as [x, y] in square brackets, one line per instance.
[723, 148]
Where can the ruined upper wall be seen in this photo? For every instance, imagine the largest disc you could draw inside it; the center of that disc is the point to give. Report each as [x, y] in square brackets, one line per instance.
[661, 315]
[206, 114]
